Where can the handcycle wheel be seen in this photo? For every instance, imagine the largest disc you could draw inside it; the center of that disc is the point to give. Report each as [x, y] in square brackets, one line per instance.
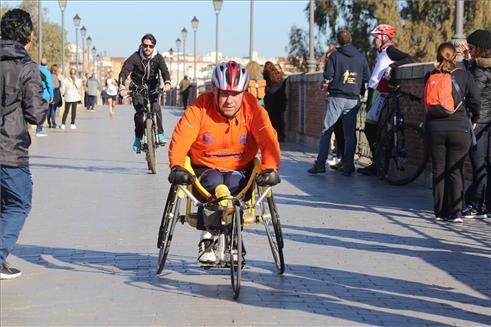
[150, 154]
[167, 226]
[235, 247]
[272, 226]
[400, 159]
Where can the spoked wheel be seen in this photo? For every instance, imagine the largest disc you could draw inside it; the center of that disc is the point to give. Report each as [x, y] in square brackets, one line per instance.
[166, 230]
[235, 251]
[400, 158]
[272, 225]
[150, 155]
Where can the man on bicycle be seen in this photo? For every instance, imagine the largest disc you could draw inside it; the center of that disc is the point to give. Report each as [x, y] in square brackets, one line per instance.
[145, 67]
[222, 132]
[388, 59]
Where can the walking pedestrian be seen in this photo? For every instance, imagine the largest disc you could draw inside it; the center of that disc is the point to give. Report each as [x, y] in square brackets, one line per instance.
[71, 90]
[22, 102]
[347, 72]
[257, 84]
[47, 91]
[57, 100]
[111, 91]
[184, 88]
[478, 62]
[92, 91]
[449, 135]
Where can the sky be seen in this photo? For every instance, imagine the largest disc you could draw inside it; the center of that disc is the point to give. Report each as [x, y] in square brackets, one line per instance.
[117, 26]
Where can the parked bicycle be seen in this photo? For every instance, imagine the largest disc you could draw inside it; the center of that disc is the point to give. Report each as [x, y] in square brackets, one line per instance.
[149, 139]
[401, 154]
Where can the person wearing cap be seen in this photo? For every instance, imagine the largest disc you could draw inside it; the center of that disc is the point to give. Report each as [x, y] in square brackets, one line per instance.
[222, 132]
[477, 58]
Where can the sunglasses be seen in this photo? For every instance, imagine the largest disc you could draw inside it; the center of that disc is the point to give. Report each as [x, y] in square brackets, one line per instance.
[151, 46]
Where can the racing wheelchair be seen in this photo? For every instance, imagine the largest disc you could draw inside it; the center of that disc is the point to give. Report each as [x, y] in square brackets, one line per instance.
[226, 216]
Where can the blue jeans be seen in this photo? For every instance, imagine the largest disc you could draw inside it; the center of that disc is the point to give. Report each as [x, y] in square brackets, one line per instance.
[479, 154]
[346, 109]
[16, 200]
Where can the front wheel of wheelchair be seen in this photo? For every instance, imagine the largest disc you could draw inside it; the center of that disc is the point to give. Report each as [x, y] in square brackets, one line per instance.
[235, 251]
[272, 226]
[167, 226]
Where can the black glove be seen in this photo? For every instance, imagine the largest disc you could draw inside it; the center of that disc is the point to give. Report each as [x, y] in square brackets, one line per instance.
[179, 175]
[268, 177]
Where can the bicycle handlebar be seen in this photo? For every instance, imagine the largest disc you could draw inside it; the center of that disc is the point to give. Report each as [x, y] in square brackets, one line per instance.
[409, 95]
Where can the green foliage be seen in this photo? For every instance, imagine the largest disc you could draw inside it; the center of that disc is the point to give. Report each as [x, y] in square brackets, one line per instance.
[298, 48]
[421, 24]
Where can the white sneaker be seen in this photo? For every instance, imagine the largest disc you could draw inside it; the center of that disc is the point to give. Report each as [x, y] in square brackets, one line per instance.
[63, 126]
[333, 161]
[206, 254]
[73, 126]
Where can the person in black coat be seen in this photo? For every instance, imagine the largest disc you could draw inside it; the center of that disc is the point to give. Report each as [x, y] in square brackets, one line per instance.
[449, 138]
[478, 62]
[275, 99]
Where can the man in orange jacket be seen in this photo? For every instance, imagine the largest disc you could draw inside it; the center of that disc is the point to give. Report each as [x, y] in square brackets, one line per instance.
[222, 132]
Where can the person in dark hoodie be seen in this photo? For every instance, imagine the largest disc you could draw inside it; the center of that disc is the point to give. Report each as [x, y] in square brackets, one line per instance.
[145, 66]
[347, 72]
[478, 62]
[22, 102]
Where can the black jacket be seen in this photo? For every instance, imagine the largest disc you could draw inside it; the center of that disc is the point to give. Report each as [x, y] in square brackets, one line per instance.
[458, 121]
[348, 69]
[21, 101]
[481, 70]
[145, 71]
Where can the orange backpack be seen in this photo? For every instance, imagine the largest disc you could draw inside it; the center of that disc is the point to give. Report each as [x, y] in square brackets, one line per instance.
[438, 96]
[257, 88]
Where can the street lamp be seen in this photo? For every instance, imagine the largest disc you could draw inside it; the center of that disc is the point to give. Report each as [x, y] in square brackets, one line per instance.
[178, 46]
[171, 54]
[62, 4]
[184, 34]
[194, 24]
[217, 4]
[76, 23]
[89, 43]
[96, 66]
[311, 63]
[83, 33]
[94, 50]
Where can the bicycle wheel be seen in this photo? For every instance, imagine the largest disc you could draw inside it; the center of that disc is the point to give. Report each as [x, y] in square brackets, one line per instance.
[150, 156]
[272, 226]
[400, 158]
[167, 226]
[235, 251]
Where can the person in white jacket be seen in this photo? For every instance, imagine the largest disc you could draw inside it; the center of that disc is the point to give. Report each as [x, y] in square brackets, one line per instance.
[71, 89]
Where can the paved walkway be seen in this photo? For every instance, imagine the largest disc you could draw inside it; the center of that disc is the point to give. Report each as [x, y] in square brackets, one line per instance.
[358, 251]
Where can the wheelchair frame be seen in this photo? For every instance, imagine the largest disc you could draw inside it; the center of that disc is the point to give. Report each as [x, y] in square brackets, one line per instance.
[258, 208]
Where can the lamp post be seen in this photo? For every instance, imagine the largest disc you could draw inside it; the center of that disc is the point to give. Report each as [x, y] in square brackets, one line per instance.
[89, 43]
[62, 4]
[40, 31]
[184, 34]
[194, 24]
[178, 46]
[96, 67]
[171, 54]
[83, 33]
[76, 23]
[459, 36]
[251, 29]
[217, 4]
[311, 61]
[94, 51]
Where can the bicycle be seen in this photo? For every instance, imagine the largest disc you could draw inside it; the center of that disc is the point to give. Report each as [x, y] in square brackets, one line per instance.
[399, 157]
[149, 139]
[254, 204]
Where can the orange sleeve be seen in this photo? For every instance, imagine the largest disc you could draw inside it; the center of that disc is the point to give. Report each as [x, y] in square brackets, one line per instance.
[266, 138]
[185, 133]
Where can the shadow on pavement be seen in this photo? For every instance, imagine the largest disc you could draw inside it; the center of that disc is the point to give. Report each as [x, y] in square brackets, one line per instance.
[355, 297]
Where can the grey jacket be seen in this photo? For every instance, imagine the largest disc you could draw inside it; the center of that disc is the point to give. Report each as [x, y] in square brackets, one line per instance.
[93, 87]
[21, 102]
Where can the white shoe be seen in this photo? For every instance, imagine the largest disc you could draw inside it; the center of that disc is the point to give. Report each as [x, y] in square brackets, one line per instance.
[73, 126]
[333, 161]
[63, 126]
[206, 253]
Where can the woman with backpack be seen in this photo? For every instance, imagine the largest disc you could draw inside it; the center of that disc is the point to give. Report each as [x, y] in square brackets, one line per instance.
[478, 62]
[450, 94]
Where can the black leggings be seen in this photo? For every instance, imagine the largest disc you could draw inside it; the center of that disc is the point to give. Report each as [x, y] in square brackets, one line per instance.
[139, 104]
[73, 105]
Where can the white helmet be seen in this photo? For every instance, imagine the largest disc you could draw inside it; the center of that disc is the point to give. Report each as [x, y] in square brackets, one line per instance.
[230, 76]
